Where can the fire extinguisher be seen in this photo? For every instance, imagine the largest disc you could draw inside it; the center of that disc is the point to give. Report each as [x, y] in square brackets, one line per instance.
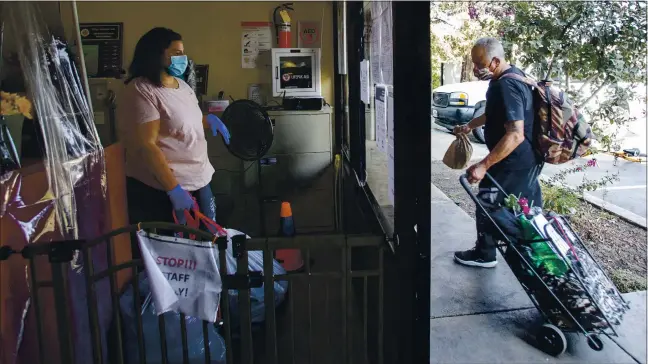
[282, 24]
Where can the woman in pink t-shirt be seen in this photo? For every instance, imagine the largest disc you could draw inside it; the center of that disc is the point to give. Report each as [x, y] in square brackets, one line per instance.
[162, 129]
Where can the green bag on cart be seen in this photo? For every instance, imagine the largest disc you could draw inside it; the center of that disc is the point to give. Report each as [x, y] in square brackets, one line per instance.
[542, 254]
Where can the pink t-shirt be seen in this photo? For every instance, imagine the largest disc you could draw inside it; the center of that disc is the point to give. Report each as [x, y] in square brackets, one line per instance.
[181, 137]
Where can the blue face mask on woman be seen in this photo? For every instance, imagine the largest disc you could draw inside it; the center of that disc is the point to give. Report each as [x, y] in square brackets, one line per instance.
[178, 66]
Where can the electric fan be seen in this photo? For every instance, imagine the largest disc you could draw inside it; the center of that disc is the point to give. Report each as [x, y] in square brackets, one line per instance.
[251, 136]
[251, 131]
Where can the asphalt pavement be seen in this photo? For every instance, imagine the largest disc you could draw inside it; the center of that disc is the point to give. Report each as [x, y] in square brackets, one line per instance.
[628, 193]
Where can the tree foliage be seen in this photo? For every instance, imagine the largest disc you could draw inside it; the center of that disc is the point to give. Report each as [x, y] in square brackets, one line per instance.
[595, 49]
[602, 44]
[467, 22]
[582, 39]
[436, 59]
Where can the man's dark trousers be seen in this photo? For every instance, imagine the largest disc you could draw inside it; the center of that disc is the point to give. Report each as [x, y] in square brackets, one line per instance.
[521, 183]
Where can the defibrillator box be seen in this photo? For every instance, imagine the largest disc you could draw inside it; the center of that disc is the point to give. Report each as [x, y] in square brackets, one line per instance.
[296, 72]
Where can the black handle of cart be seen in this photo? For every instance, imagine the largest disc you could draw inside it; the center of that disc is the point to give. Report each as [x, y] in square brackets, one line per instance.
[592, 339]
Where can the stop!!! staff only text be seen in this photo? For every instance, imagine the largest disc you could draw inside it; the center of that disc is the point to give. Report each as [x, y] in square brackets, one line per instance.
[173, 277]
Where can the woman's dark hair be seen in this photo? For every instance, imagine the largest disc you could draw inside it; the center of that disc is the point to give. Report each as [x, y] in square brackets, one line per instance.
[147, 60]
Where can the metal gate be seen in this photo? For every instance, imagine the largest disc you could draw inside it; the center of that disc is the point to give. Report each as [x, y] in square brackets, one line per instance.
[333, 311]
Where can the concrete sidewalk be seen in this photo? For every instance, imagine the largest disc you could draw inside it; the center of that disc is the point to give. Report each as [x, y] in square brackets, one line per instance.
[484, 316]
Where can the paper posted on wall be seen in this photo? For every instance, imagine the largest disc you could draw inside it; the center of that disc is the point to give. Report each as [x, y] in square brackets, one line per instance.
[391, 184]
[183, 274]
[256, 38]
[364, 82]
[390, 116]
[390, 146]
[381, 117]
[381, 51]
[386, 45]
[374, 47]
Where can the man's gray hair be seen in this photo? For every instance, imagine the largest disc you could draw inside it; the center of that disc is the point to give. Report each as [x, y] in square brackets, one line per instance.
[492, 47]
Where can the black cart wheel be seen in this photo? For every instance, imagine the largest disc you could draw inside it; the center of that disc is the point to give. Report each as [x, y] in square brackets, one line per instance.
[551, 340]
[595, 342]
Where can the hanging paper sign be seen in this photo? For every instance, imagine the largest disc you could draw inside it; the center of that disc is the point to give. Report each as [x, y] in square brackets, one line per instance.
[310, 34]
[183, 274]
[364, 82]
[380, 103]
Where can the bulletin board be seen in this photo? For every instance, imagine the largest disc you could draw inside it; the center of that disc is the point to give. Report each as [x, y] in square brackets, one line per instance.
[102, 48]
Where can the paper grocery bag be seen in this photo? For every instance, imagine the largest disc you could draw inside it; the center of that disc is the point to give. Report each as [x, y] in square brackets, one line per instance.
[458, 154]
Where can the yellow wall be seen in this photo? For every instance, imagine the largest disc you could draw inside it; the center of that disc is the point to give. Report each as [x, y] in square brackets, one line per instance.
[212, 34]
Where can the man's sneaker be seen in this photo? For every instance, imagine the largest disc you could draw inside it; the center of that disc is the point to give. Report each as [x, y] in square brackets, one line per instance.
[474, 259]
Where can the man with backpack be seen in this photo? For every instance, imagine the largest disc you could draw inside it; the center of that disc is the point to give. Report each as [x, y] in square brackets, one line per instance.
[509, 131]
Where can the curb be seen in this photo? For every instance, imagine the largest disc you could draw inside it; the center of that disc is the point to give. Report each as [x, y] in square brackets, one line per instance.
[613, 209]
[624, 214]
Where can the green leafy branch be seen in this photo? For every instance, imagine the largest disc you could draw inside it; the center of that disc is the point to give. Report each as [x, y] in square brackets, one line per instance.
[565, 200]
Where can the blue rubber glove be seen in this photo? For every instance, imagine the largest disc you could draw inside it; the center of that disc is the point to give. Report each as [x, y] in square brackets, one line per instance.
[180, 199]
[216, 126]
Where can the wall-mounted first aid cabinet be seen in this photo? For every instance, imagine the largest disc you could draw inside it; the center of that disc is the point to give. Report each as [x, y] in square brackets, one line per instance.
[296, 72]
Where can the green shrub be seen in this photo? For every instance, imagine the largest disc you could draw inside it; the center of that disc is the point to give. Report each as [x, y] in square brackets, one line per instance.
[565, 200]
[559, 199]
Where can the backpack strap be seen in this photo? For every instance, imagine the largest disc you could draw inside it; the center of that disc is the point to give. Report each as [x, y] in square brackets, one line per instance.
[517, 77]
[530, 82]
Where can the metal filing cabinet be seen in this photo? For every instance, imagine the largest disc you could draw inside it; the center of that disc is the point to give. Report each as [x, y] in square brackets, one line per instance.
[303, 175]
[303, 148]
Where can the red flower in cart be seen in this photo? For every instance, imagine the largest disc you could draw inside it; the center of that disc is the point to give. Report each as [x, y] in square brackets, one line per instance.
[524, 205]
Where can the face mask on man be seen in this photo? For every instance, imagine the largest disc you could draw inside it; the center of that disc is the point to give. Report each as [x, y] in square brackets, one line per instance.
[484, 74]
[178, 66]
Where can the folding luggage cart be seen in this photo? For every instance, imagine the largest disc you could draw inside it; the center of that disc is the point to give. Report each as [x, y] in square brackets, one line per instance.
[557, 316]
